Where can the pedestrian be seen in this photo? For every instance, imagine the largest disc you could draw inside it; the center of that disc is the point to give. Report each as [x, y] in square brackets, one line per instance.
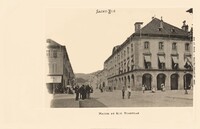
[91, 89]
[191, 87]
[84, 92]
[123, 92]
[88, 91]
[186, 92]
[101, 89]
[143, 88]
[129, 92]
[163, 86]
[81, 92]
[109, 88]
[76, 89]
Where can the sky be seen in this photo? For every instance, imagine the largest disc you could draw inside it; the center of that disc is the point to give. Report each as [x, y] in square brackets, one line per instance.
[90, 37]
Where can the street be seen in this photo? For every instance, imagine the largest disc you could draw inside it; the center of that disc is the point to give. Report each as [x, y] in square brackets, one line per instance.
[169, 98]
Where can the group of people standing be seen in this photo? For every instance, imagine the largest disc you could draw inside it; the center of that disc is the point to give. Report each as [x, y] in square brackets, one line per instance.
[84, 91]
[102, 89]
[144, 87]
[128, 92]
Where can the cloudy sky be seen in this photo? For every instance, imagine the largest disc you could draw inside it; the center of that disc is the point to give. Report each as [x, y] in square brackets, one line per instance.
[90, 37]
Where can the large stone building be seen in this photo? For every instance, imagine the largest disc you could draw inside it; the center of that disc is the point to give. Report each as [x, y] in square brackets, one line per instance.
[154, 54]
[60, 75]
[102, 79]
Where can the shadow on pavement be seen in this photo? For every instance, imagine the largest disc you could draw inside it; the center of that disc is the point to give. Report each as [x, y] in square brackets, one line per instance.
[64, 103]
[90, 103]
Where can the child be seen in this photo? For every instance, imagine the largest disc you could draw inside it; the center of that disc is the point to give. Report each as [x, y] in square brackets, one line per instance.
[143, 88]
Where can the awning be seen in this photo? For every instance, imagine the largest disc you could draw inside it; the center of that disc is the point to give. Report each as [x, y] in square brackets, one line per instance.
[147, 58]
[188, 62]
[161, 59]
[175, 59]
[53, 79]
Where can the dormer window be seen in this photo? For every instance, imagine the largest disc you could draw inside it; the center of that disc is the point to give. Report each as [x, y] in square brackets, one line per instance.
[172, 30]
[124, 54]
[161, 45]
[146, 45]
[187, 46]
[174, 46]
[127, 50]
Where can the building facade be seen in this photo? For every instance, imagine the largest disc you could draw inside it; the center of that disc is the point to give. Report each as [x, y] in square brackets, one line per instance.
[154, 54]
[102, 79]
[60, 75]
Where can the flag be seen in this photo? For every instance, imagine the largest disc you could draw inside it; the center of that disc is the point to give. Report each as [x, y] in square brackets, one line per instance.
[190, 10]
[188, 63]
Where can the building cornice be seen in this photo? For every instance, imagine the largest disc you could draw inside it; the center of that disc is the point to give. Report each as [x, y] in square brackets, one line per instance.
[152, 70]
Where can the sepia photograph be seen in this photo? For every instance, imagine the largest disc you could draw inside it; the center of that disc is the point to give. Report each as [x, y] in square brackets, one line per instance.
[99, 58]
[108, 64]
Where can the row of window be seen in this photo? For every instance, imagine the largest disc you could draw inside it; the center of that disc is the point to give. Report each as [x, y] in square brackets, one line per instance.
[125, 67]
[161, 46]
[51, 53]
[128, 62]
[161, 62]
[147, 46]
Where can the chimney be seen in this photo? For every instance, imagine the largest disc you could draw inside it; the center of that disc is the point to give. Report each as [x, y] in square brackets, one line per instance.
[161, 23]
[185, 27]
[138, 26]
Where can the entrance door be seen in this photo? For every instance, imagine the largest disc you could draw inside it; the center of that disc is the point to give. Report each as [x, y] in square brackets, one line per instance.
[187, 81]
[147, 81]
[133, 82]
[174, 82]
[160, 80]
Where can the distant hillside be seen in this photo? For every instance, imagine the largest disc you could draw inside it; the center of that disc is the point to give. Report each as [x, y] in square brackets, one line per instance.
[84, 76]
[81, 80]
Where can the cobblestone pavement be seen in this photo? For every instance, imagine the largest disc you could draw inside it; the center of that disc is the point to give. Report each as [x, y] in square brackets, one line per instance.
[171, 98]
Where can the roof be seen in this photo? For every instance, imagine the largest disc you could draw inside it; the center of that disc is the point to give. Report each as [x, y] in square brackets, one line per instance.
[53, 44]
[152, 28]
[115, 48]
